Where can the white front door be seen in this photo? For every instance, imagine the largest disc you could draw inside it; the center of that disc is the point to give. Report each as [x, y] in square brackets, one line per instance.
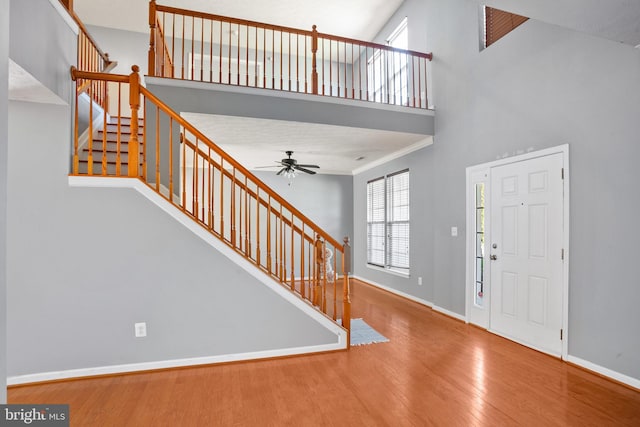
[526, 252]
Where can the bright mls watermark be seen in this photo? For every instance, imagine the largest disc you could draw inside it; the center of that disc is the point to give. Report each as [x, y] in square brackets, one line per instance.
[34, 415]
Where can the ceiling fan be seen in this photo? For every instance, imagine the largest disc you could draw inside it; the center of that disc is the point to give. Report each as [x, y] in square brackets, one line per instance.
[289, 166]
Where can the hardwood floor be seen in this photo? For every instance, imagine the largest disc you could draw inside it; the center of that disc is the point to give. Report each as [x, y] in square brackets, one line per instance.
[434, 371]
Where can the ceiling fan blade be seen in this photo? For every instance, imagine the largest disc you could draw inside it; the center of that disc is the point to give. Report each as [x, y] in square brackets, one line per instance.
[262, 167]
[309, 166]
[301, 169]
[281, 171]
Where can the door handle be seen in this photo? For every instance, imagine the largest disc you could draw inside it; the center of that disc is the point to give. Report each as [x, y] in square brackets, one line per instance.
[494, 257]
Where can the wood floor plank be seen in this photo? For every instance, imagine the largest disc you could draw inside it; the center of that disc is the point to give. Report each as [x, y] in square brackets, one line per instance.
[435, 371]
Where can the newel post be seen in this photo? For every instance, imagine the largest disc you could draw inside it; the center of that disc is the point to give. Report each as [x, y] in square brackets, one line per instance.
[346, 298]
[134, 102]
[314, 65]
[152, 38]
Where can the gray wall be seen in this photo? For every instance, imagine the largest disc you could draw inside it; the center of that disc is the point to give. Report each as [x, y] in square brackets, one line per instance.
[540, 86]
[4, 95]
[85, 264]
[43, 44]
[421, 214]
[327, 200]
[128, 48]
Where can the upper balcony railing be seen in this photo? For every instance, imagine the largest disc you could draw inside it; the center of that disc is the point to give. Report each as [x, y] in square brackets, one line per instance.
[204, 47]
[90, 56]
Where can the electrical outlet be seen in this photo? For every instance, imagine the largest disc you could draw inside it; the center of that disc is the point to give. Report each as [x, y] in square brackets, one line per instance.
[454, 231]
[420, 281]
[141, 329]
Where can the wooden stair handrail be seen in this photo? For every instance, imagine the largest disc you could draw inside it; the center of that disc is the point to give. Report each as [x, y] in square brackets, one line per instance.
[78, 74]
[232, 162]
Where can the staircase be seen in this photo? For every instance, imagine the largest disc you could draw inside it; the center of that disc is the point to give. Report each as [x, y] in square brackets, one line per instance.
[173, 158]
[110, 146]
[190, 171]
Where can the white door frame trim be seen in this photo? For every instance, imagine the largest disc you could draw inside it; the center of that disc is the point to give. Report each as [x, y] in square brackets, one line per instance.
[472, 170]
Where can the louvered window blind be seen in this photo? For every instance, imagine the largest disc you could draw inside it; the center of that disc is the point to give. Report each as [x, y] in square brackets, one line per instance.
[388, 221]
[498, 23]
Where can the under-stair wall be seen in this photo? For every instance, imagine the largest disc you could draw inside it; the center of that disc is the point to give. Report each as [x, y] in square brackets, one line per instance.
[85, 264]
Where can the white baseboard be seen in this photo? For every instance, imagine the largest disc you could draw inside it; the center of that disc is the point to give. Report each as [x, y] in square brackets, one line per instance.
[167, 364]
[625, 379]
[449, 313]
[395, 291]
[414, 299]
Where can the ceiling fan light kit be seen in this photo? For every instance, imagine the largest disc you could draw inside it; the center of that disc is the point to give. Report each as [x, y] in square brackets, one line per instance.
[289, 166]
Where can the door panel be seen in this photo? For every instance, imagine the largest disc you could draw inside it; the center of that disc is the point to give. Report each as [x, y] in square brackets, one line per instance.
[526, 244]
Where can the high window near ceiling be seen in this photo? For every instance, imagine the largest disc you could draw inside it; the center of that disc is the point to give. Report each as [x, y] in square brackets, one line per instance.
[388, 222]
[498, 23]
[389, 69]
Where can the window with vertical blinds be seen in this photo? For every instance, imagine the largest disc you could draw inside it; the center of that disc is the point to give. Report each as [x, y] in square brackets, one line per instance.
[498, 23]
[388, 221]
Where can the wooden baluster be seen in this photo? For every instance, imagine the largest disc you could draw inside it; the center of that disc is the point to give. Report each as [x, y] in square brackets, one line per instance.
[346, 298]
[314, 65]
[293, 265]
[158, 155]
[246, 59]
[210, 192]
[222, 197]
[183, 52]
[144, 140]
[202, 197]
[152, 38]
[194, 181]
[255, 77]
[90, 157]
[318, 276]
[233, 207]
[297, 62]
[210, 51]
[330, 67]
[238, 56]
[360, 69]
[134, 102]
[302, 266]
[104, 128]
[220, 55]
[247, 212]
[324, 277]
[193, 54]
[353, 86]
[269, 259]
[258, 255]
[201, 49]
[119, 133]
[173, 45]
[170, 159]
[76, 130]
